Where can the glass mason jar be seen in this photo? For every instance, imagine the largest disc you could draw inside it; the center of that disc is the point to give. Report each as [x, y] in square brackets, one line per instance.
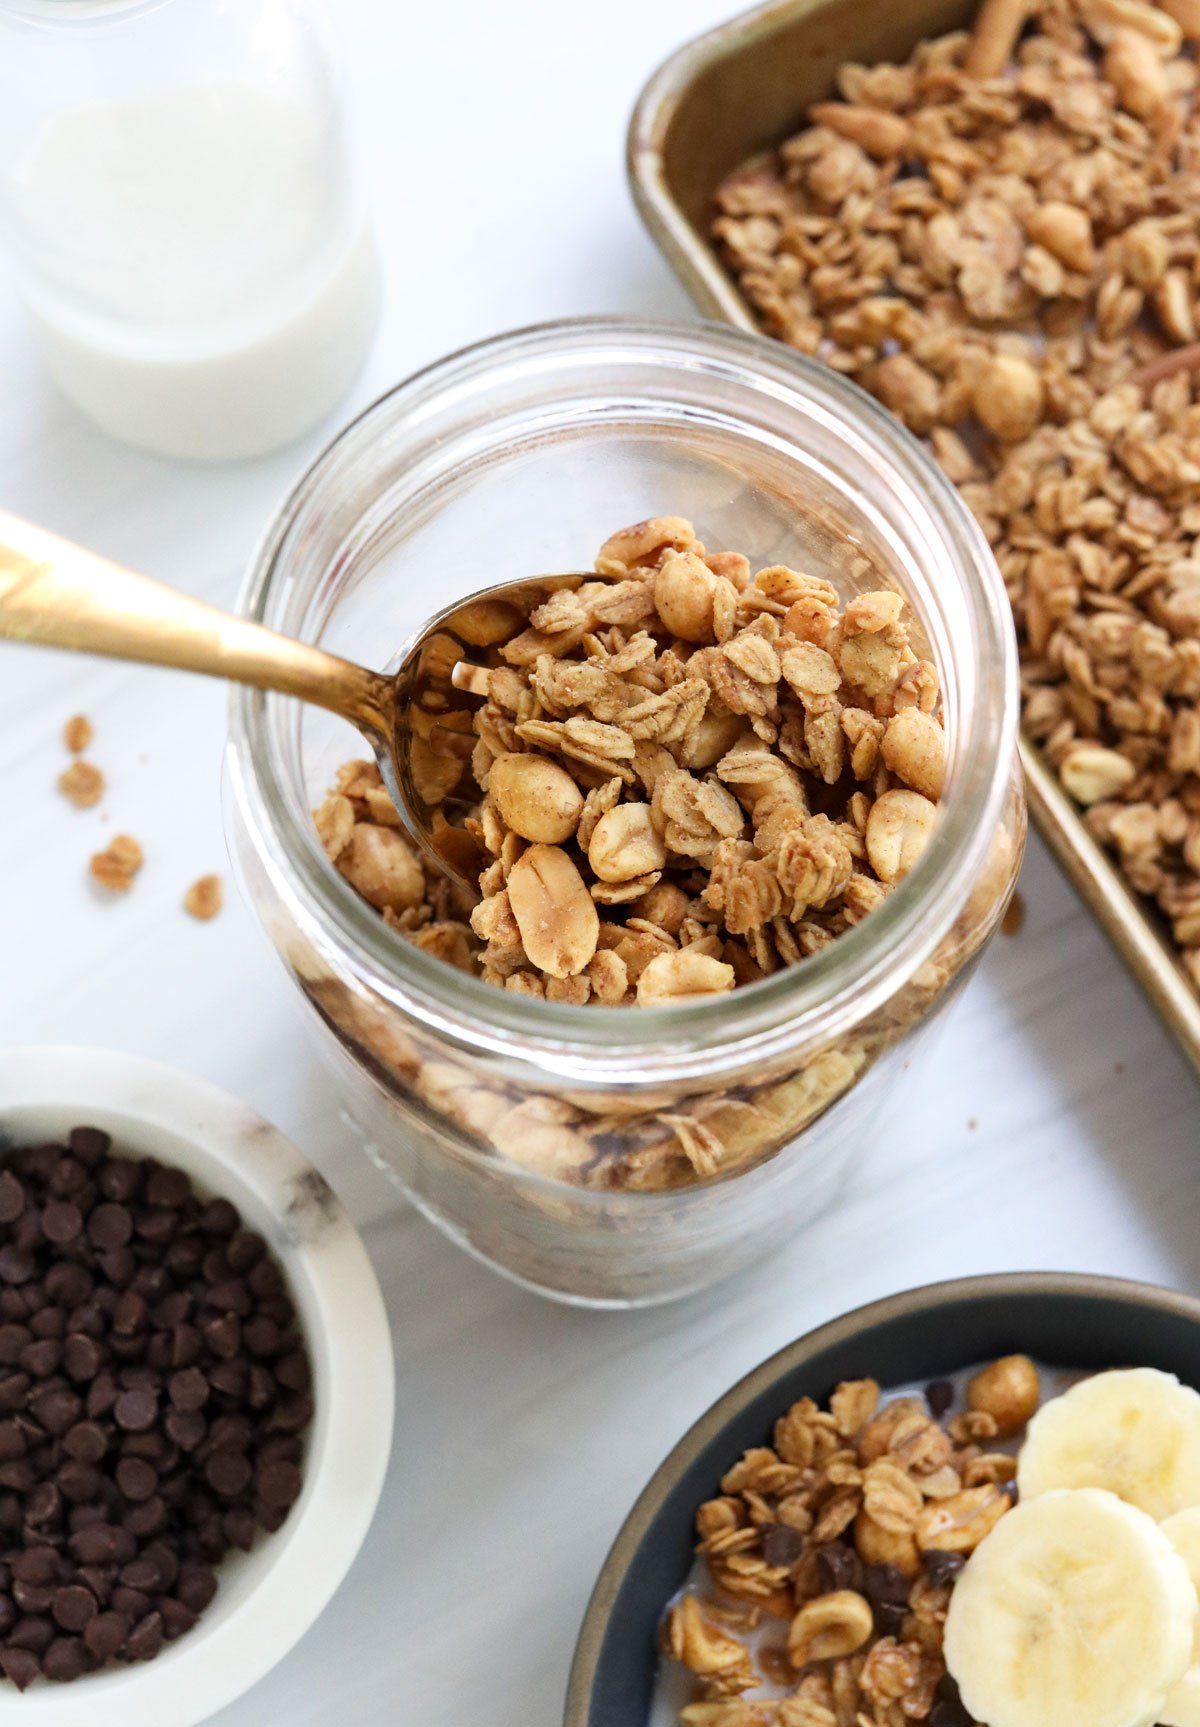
[181, 209]
[620, 1155]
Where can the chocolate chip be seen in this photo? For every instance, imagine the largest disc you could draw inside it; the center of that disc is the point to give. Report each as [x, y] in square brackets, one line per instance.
[135, 1410]
[781, 1544]
[79, 1483]
[34, 1632]
[293, 1372]
[20, 1665]
[12, 1197]
[96, 1545]
[39, 1565]
[56, 1408]
[188, 1390]
[148, 1518]
[145, 1640]
[14, 1339]
[176, 1617]
[950, 1714]
[65, 1659]
[141, 1574]
[85, 1442]
[73, 1606]
[32, 1597]
[110, 1226]
[941, 1566]
[136, 1478]
[105, 1634]
[186, 1431]
[90, 1144]
[42, 1357]
[121, 1179]
[939, 1395]
[228, 1473]
[62, 1221]
[16, 1266]
[196, 1587]
[170, 1187]
[889, 1617]
[130, 1314]
[884, 1585]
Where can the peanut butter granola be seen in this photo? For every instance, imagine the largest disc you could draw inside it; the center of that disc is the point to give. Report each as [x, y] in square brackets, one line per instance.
[830, 1556]
[999, 238]
[688, 777]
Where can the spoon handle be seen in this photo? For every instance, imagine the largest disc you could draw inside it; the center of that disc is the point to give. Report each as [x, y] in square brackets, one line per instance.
[58, 595]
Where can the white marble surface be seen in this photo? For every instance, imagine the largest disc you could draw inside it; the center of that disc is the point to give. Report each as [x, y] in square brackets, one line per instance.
[1054, 1125]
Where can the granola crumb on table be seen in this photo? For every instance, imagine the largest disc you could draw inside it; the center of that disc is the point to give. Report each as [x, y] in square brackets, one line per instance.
[1000, 239]
[688, 778]
[116, 866]
[831, 1556]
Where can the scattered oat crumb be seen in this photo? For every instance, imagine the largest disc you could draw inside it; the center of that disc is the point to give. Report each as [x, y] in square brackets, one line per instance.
[1014, 917]
[203, 898]
[1118, 1067]
[972, 1122]
[82, 784]
[78, 734]
[116, 867]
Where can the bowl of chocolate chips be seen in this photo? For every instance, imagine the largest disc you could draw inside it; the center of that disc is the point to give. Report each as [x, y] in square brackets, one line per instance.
[189, 1462]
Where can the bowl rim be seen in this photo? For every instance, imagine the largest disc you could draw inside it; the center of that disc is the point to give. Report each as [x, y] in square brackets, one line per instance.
[339, 1298]
[928, 1298]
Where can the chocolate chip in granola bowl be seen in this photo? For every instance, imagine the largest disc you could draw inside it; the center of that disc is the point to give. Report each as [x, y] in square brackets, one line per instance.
[156, 1398]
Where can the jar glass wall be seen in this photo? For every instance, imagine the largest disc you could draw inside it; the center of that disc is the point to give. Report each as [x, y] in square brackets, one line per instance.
[621, 1155]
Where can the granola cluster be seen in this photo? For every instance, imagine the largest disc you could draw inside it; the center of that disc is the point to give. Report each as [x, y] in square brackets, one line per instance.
[831, 1556]
[689, 776]
[999, 239]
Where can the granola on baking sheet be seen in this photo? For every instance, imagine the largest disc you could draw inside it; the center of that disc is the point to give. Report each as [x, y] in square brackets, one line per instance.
[688, 778]
[1000, 239]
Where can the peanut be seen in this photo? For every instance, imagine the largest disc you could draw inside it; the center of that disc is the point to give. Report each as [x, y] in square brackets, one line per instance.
[380, 864]
[682, 976]
[899, 827]
[555, 914]
[1008, 396]
[1008, 1391]
[1091, 773]
[914, 748]
[684, 589]
[1134, 69]
[625, 843]
[537, 798]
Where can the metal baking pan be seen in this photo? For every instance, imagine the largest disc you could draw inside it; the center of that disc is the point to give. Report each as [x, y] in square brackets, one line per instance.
[727, 97]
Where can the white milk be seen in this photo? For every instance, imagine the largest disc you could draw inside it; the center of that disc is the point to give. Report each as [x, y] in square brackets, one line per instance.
[202, 289]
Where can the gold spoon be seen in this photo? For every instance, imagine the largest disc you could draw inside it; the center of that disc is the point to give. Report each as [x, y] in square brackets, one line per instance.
[414, 715]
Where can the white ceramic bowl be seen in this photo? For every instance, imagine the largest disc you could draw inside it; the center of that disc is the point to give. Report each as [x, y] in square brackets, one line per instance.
[267, 1599]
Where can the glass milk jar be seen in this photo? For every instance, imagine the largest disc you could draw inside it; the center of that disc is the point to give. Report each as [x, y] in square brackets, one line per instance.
[180, 207]
[627, 1154]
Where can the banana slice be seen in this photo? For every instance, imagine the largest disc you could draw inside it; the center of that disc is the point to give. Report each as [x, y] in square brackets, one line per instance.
[1075, 1611]
[1182, 1707]
[1135, 1431]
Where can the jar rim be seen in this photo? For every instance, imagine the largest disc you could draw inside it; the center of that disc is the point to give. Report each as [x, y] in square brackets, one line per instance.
[608, 1045]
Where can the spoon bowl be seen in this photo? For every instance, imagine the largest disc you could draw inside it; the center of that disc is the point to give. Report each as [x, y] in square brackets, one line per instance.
[417, 716]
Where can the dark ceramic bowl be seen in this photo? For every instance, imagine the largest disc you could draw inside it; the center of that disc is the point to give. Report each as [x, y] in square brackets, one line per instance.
[926, 1334]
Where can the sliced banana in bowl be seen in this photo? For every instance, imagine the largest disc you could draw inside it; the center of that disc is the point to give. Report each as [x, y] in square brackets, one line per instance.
[1076, 1611]
[1182, 1708]
[1134, 1431]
